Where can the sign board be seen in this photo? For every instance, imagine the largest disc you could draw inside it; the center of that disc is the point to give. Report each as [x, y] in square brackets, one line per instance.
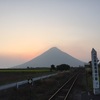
[95, 73]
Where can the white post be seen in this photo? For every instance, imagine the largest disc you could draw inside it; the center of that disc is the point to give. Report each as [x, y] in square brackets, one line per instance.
[17, 85]
[95, 73]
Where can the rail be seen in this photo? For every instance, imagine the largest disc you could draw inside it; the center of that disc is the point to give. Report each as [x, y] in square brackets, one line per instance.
[63, 92]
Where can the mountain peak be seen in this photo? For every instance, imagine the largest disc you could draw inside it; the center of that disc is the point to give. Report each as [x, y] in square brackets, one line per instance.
[54, 48]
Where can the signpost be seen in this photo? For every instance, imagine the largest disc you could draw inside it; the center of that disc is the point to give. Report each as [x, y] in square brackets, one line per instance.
[95, 74]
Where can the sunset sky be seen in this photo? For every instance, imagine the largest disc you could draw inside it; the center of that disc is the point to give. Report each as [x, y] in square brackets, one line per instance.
[30, 27]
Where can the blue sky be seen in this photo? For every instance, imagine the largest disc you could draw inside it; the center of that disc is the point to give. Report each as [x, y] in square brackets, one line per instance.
[30, 27]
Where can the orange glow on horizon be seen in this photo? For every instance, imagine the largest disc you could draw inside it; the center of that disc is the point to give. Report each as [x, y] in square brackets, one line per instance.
[23, 54]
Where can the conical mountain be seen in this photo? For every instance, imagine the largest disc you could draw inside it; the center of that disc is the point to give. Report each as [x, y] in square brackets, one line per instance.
[52, 56]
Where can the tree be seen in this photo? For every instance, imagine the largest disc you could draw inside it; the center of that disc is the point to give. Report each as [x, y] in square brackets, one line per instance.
[90, 63]
[52, 67]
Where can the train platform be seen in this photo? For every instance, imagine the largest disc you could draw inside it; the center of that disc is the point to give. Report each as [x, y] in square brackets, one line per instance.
[89, 96]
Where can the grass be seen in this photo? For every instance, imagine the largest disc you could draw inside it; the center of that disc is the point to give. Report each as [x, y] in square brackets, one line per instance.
[89, 78]
[41, 90]
[14, 75]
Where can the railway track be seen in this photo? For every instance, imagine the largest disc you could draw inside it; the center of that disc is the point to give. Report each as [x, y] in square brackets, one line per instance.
[64, 91]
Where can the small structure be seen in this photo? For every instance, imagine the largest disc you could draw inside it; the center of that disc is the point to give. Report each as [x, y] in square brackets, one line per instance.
[95, 74]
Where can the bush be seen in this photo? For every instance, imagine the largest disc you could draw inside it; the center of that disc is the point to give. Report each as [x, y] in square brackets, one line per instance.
[63, 67]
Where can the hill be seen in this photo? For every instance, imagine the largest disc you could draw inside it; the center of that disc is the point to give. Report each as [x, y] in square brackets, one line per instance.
[52, 56]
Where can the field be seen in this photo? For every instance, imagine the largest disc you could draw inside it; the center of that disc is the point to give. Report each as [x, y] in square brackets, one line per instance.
[15, 75]
[43, 89]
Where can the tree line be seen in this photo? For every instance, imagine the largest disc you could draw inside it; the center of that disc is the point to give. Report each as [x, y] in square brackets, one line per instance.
[60, 67]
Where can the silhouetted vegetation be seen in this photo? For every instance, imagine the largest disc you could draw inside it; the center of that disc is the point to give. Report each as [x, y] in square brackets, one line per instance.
[99, 65]
[63, 67]
[90, 63]
[52, 67]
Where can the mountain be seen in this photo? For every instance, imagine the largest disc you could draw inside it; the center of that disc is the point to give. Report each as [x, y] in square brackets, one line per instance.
[52, 56]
